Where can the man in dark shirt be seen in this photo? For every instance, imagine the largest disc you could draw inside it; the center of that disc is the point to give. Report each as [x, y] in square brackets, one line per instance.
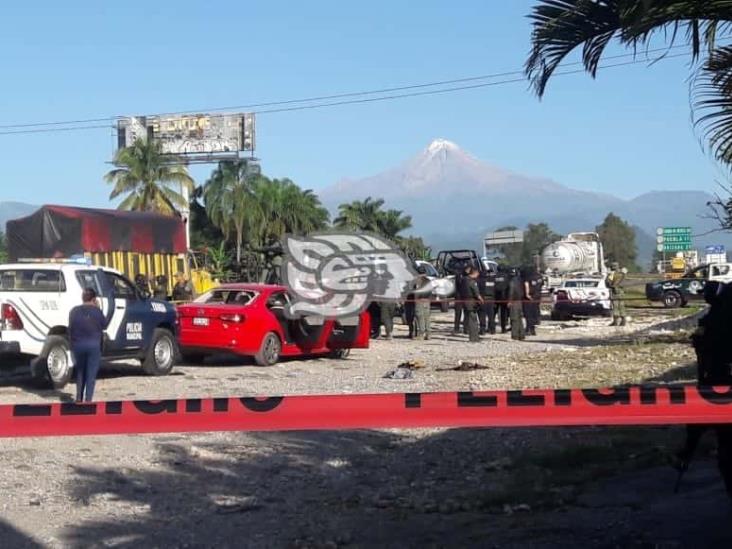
[86, 329]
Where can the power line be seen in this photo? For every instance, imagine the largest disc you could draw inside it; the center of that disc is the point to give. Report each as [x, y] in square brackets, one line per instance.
[444, 90]
[345, 102]
[334, 96]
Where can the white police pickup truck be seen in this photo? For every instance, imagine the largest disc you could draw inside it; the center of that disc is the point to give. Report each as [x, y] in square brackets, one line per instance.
[35, 301]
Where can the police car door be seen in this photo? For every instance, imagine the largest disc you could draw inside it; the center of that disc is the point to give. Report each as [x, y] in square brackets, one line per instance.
[127, 328]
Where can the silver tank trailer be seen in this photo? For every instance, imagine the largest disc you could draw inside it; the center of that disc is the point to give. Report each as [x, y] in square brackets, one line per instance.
[571, 257]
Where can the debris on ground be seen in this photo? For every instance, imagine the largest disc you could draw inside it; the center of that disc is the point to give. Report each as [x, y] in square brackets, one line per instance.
[399, 373]
[465, 366]
[412, 364]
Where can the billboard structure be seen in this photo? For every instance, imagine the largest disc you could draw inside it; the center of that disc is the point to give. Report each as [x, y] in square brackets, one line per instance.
[192, 137]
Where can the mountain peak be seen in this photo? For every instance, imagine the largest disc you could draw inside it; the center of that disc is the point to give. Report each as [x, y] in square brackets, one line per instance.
[439, 144]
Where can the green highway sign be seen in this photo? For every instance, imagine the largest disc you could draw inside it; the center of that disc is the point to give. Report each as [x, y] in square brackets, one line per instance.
[672, 231]
[673, 239]
[682, 247]
[677, 239]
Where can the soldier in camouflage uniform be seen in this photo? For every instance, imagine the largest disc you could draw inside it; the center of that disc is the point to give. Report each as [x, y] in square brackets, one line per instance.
[614, 282]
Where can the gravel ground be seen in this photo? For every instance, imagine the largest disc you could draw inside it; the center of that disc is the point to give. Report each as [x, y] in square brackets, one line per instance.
[393, 488]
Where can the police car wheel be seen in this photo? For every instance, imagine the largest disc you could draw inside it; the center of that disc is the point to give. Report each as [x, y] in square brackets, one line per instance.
[269, 351]
[55, 361]
[671, 299]
[161, 354]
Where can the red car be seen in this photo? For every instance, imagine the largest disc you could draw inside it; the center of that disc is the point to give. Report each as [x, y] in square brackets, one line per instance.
[249, 320]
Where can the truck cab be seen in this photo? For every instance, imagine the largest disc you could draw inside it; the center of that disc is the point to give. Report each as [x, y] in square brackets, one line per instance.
[678, 292]
[37, 297]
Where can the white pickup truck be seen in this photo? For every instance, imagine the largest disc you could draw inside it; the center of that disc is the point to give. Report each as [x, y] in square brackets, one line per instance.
[35, 301]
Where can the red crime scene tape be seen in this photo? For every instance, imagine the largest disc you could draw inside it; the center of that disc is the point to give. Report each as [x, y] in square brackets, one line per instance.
[634, 405]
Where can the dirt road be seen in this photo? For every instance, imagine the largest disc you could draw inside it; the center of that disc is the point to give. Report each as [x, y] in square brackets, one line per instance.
[396, 488]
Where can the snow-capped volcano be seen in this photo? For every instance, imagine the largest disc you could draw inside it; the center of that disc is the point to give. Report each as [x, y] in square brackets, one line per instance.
[454, 197]
[441, 169]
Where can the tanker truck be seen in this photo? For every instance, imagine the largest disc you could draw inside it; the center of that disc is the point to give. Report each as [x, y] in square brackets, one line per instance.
[579, 254]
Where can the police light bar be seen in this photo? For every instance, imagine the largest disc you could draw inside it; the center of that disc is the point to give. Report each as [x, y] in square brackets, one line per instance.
[71, 260]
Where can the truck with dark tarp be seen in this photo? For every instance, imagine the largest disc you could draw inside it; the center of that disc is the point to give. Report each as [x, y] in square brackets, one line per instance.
[134, 243]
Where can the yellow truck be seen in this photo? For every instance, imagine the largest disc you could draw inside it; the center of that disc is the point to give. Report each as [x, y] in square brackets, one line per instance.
[134, 243]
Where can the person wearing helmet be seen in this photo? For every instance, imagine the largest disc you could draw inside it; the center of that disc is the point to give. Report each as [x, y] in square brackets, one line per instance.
[614, 282]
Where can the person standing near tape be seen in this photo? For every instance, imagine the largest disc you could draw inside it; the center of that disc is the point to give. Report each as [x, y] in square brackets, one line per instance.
[473, 301]
[487, 313]
[423, 303]
[532, 290]
[614, 281]
[86, 332]
[515, 297]
[501, 297]
[460, 323]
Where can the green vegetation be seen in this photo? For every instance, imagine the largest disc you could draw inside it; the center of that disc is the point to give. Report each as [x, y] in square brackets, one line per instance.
[618, 241]
[145, 176]
[537, 236]
[560, 27]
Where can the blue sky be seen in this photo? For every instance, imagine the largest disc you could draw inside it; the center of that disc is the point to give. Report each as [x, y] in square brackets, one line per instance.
[626, 133]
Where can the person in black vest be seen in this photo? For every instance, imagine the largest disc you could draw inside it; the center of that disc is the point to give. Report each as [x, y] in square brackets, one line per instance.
[487, 313]
[516, 295]
[461, 295]
[501, 297]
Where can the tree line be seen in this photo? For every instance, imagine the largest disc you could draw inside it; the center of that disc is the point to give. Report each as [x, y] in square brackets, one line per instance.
[616, 235]
[239, 209]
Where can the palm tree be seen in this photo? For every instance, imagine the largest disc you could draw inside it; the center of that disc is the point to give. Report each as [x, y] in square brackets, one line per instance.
[561, 26]
[230, 202]
[392, 222]
[146, 175]
[360, 215]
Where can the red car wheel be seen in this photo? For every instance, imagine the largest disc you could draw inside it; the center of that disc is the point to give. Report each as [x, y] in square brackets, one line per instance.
[269, 351]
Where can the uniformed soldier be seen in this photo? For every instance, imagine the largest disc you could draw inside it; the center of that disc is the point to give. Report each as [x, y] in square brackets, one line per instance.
[461, 296]
[161, 288]
[410, 307]
[388, 309]
[143, 284]
[533, 282]
[487, 313]
[473, 302]
[183, 289]
[515, 297]
[423, 304]
[501, 296]
[614, 281]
